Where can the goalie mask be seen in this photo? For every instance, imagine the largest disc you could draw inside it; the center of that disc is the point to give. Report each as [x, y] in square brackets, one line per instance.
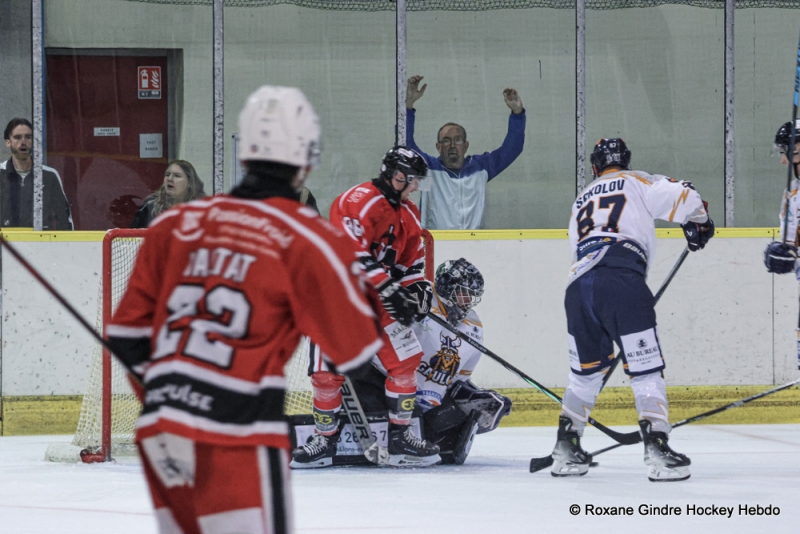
[278, 124]
[459, 286]
[610, 153]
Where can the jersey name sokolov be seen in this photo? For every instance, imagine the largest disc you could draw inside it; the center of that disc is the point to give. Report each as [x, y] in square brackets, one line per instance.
[599, 189]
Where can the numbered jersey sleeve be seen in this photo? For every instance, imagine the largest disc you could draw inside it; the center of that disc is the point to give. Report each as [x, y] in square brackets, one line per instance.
[446, 357]
[623, 205]
[389, 239]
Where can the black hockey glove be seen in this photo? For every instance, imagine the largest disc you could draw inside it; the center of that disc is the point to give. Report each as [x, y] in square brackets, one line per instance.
[698, 234]
[397, 301]
[780, 257]
[423, 292]
[490, 404]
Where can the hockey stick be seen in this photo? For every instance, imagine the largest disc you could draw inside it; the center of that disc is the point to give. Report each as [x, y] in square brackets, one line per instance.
[363, 433]
[626, 439]
[537, 464]
[715, 411]
[54, 292]
[657, 297]
[350, 402]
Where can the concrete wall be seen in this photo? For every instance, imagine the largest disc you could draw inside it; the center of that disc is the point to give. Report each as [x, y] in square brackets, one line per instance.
[723, 320]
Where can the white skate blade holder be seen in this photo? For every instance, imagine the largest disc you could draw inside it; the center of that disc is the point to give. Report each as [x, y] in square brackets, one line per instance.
[406, 460]
[659, 473]
[322, 462]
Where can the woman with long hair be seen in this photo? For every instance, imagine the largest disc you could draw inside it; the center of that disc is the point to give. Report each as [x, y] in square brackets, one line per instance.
[181, 184]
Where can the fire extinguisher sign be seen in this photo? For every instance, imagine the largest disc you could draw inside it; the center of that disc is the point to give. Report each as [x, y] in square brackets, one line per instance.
[149, 82]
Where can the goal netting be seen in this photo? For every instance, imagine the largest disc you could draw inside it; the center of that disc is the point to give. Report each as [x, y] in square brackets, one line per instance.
[106, 425]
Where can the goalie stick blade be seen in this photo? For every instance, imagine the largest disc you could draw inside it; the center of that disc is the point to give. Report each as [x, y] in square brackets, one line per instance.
[537, 464]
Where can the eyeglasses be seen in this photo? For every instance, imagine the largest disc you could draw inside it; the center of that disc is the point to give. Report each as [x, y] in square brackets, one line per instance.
[446, 141]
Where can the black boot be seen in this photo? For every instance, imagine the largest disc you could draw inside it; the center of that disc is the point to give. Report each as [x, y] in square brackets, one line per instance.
[318, 451]
[665, 464]
[569, 459]
[406, 449]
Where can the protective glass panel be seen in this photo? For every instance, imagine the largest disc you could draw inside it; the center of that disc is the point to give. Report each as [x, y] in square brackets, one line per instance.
[344, 61]
[655, 77]
[468, 60]
[766, 60]
[128, 89]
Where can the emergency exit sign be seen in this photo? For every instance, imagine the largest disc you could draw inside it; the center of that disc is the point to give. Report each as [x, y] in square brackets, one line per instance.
[149, 82]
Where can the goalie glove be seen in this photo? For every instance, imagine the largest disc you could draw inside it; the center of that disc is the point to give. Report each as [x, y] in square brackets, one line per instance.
[423, 293]
[779, 257]
[698, 234]
[397, 301]
[491, 406]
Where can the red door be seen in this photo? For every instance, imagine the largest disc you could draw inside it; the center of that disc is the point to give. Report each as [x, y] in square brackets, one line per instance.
[107, 132]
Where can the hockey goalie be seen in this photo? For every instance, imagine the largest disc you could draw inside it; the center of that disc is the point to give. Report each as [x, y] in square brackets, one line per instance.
[451, 410]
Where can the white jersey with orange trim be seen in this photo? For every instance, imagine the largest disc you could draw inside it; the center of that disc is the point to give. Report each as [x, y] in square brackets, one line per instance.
[794, 214]
[447, 358]
[622, 205]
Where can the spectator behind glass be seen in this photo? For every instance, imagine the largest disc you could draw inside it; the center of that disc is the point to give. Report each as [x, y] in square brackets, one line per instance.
[457, 197]
[181, 184]
[16, 184]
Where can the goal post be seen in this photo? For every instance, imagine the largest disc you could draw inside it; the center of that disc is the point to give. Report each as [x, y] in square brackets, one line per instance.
[109, 410]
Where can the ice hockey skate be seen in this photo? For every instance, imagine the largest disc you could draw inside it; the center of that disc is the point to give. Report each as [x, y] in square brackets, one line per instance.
[665, 464]
[318, 451]
[569, 459]
[407, 450]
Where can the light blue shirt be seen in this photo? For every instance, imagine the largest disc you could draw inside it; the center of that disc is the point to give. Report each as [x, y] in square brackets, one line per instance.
[457, 198]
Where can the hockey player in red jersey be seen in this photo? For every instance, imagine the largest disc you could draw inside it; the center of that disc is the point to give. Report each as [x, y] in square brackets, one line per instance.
[379, 216]
[220, 294]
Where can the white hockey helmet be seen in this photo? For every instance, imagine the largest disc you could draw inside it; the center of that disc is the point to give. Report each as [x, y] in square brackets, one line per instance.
[279, 124]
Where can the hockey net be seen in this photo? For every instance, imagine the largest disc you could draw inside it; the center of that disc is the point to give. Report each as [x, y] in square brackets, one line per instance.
[106, 425]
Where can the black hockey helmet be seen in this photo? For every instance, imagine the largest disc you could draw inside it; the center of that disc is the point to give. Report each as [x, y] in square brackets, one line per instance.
[612, 152]
[459, 285]
[403, 159]
[784, 136]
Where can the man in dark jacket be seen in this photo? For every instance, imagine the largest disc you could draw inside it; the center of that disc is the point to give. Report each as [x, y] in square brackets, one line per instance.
[16, 184]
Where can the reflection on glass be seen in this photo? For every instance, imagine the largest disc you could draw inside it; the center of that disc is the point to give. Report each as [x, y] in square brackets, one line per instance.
[121, 87]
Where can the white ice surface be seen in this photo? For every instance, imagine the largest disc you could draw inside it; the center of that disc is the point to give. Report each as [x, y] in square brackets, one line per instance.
[493, 492]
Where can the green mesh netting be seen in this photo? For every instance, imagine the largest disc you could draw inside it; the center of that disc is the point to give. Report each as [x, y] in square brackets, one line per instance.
[482, 5]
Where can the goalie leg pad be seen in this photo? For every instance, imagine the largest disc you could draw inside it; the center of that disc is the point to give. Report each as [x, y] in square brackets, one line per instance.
[490, 405]
[464, 441]
[444, 417]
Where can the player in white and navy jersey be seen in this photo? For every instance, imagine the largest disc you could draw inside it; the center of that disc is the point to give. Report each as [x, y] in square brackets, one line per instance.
[780, 257]
[453, 409]
[612, 233]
